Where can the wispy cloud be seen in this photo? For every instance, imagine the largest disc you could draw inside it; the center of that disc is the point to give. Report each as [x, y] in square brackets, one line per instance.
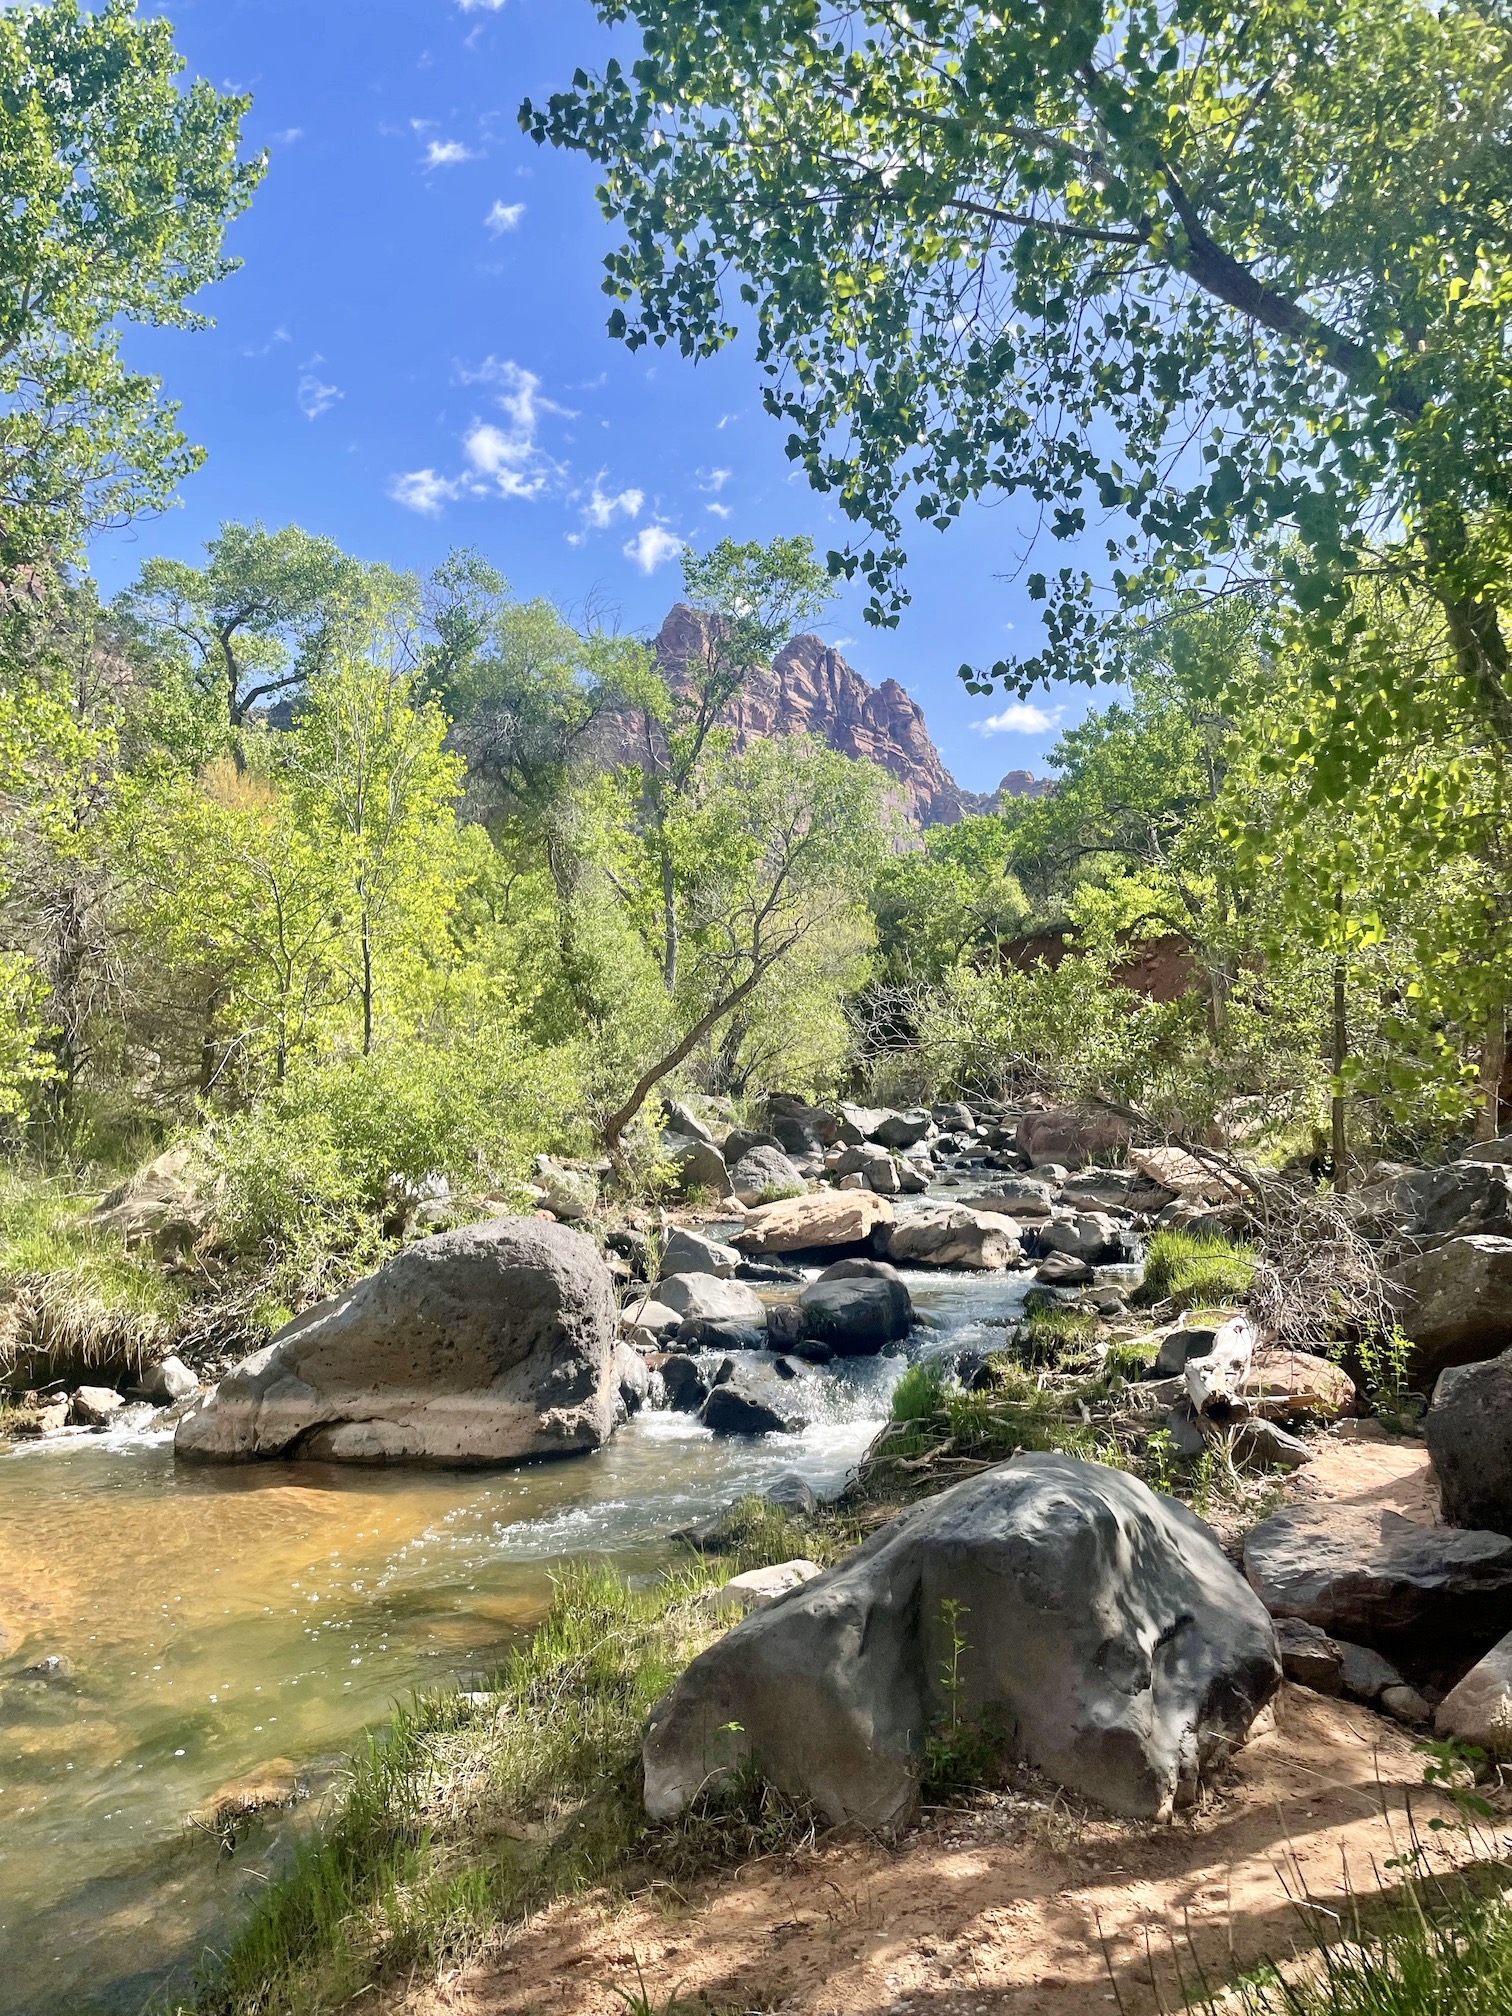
[714, 479]
[504, 217]
[503, 459]
[1022, 718]
[720, 510]
[603, 507]
[652, 547]
[288, 136]
[316, 398]
[423, 490]
[280, 335]
[447, 153]
[480, 6]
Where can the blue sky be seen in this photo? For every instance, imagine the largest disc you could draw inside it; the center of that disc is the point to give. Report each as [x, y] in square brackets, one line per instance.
[413, 357]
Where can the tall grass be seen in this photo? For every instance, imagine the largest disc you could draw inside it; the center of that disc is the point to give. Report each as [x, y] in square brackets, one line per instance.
[73, 1299]
[1196, 1269]
[470, 1810]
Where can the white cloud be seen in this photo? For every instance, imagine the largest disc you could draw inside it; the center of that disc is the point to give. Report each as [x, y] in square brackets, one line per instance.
[1022, 718]
[447, 153]
[652, 547]
[316, 398]
[714, 479]
[424, 491]
[504, 217]
[603, 507]
[477, 6]
[288, 136]
[721, 510]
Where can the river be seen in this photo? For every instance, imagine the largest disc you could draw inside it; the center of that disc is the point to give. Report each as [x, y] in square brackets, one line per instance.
[213, 1620]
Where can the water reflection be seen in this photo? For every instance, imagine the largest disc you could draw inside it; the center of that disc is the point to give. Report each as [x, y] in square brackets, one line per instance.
[211, 1620]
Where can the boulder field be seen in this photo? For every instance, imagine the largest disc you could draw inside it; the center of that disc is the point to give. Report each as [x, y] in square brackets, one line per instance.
[492, 1344]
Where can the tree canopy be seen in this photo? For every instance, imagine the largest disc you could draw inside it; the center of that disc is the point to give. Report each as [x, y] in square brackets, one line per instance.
[118, 190]
[1224, 285]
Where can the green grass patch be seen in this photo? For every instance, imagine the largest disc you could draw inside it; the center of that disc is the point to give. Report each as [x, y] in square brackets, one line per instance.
[1192, 1269]
[1054, 1332]
[73, 1300]
[467, 1812]
[1439, 1952]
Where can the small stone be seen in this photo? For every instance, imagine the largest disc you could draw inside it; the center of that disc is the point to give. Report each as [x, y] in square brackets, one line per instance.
[95, 1406]
[54, 1666]
[168, 1382]
[792, 1493]
[1309, 1656]
[1363, 1430]
[1063, 1270]
[1365, 1674]
[685, 1388]
[760, 1586]
[1405, 1704]
[1269, 1445]
[274, 1787]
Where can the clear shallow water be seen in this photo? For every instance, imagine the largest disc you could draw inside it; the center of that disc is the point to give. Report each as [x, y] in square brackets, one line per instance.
[218, 1619]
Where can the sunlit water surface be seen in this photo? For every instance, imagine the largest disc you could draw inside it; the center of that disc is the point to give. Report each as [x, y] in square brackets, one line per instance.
[215, 1620]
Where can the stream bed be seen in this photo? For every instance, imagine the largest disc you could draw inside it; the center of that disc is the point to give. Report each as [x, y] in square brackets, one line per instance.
[197, 1624]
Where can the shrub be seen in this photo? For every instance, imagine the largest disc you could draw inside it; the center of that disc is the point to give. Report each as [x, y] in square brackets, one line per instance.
[310, 1164]
[1194, 1269]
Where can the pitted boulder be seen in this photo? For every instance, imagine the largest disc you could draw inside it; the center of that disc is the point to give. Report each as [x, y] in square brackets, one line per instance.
[1110, 1643]
[491, 1344]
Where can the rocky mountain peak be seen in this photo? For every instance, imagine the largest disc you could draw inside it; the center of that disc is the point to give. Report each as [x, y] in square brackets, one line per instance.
[809, 688]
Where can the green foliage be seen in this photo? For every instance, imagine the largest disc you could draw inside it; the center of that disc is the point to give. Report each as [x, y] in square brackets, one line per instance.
[1196, 1269]
[956, 896]
[1269, 348]
[73, 1300]
[311, 1163]
[118, 187]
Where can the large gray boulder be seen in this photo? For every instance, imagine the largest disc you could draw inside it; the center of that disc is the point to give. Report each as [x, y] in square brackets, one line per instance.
[688, 1252]
[1469, 1434]
[1071, 1136]
[1499, 1150]
[491, 1344]
[1455, 1302]
[857, 1315]
[1369, 1575]
[823, 1218]
[1107, 1640]
[951, 1235]
[1461, 1198]
[764, 1174]
[1091, 1235]
[902, 1130]
[697, 1165]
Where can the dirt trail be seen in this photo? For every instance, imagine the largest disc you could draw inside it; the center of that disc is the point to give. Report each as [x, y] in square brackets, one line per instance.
[1013, 1904]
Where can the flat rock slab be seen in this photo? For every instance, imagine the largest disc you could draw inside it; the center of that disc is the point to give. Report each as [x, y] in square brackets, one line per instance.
[795, 1224]
[1378, 1579]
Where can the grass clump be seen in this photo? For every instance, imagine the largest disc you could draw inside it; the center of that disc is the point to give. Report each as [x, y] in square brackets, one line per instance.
[74, 1299]
[469, 1811]
[1053, 1332]
[939, 1430]
[1192, 1269]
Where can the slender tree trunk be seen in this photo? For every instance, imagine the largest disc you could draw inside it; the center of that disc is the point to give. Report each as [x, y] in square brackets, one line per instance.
[367, 983]
[1340, 1058]
[209, 1062]
[1493, 1064]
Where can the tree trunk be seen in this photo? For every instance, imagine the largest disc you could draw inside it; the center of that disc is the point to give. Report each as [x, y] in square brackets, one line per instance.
[1493, 1064]
[210, 1061]
[1340, 1057]
[614, 1127]
[367, 984]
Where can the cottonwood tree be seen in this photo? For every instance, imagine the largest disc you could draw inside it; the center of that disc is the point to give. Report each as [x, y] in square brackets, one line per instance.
[118, 187]
[1228, 282]
[777, 850]
[259, 619]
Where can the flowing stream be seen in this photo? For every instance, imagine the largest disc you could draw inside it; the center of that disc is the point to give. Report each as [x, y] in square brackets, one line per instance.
[211, 1622]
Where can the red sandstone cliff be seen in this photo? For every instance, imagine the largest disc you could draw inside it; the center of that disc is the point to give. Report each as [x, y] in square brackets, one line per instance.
[810, 689]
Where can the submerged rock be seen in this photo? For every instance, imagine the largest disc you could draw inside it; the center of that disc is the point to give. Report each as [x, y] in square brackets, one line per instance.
[491, 1344]
[857, 1315]
[1109, 1642]
[736, 1407]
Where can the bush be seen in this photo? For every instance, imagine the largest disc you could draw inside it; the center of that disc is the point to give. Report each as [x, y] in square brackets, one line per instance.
[310, 1164]
[1195, 1269]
